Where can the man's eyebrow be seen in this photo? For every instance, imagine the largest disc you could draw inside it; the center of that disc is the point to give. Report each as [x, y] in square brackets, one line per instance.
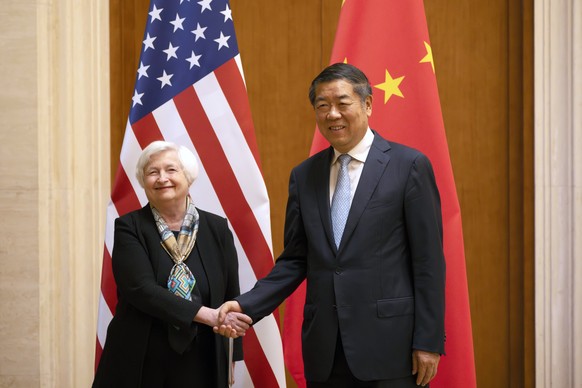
[342, 97]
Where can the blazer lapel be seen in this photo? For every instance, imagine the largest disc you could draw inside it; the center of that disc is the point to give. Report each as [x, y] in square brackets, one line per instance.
[209, 258]
[374, 167]
[160, 264]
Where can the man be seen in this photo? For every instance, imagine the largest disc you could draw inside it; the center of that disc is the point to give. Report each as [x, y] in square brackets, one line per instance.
[374, 306]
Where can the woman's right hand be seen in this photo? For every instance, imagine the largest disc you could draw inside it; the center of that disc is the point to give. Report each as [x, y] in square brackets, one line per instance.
[231, 322]
[232, 325]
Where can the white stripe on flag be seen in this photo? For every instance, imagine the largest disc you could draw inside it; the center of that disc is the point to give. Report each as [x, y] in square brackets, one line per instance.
[105, 316]
[240, 68]
[236, 150]
[269, 337]
[110, 219]
[130, 152]
[242, 378]
[247, 277]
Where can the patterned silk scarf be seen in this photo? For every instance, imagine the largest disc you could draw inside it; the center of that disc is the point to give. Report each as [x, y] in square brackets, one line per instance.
[181, 280]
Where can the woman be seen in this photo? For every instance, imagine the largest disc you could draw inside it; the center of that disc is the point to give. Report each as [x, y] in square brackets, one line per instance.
[174, 265]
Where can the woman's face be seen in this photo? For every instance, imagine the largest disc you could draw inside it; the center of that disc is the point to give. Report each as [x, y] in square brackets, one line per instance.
[165, 183]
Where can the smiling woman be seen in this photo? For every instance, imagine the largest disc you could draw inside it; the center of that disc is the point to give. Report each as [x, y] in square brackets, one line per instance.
[170, 280]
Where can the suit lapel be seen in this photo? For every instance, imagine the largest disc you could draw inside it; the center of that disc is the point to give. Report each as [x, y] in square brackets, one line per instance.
[321, 182]
[374, 167]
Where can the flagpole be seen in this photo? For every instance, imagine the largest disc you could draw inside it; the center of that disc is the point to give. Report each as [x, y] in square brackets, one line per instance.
[230, 349]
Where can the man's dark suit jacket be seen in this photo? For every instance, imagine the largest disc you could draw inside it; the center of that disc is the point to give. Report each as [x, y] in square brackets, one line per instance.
[383, 289]
[141, 268]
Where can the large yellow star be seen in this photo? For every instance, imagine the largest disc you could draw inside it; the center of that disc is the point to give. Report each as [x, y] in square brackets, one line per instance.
[390, 87]
[428, 56]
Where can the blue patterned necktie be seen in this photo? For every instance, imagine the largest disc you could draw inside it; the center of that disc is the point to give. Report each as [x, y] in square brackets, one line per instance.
[340, 203]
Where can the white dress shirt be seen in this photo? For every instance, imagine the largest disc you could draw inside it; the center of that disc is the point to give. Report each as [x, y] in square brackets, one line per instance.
[359, 154]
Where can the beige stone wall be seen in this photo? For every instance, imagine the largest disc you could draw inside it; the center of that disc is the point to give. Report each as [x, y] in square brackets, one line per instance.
[54, 186]
[19, 296]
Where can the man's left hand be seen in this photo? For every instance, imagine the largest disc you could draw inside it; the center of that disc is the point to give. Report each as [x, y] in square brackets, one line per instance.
[424, 366]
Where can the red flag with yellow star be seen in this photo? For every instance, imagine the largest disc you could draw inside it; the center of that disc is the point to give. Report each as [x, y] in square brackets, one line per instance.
[388, 40]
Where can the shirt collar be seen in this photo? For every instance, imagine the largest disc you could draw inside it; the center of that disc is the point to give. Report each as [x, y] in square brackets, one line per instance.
[360, 151]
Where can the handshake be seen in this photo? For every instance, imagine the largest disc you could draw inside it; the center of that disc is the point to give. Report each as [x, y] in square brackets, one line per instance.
[231, 322]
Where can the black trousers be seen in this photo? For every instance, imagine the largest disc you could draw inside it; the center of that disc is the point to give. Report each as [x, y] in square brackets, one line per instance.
[341, 376]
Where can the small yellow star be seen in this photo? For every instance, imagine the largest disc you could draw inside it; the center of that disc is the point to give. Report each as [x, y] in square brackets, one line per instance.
[428, 57]
[390, 87]
[346, 60]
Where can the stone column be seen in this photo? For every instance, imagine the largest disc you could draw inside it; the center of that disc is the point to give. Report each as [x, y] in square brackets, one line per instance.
[73, 182]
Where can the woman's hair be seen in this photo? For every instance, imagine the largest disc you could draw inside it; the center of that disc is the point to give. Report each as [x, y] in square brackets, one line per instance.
[186, 157]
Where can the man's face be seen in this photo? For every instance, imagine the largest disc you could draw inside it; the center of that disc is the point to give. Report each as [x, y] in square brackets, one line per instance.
[340, 115]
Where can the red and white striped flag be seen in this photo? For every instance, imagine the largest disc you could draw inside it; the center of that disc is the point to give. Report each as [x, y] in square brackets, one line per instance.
[388, 40]
[190, 90]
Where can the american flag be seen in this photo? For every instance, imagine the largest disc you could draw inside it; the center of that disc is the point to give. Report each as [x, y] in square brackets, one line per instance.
[190, 90]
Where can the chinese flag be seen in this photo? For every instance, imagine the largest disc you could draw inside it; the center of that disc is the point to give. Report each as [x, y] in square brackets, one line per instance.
[388, 40]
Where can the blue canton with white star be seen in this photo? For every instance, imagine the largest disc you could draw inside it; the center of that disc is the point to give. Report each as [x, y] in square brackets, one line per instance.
[184, 41]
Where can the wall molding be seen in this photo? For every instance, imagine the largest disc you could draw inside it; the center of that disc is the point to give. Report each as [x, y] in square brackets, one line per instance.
[558, 195]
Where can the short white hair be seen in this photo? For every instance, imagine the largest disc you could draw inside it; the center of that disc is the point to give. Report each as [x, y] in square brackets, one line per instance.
[185, 156]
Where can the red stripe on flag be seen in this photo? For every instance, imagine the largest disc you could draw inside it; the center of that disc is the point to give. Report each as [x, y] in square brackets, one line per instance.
[292, 347]
[256, 362]
[98, 351]
[109, 293]
[146, 130]
[235, 91]
[224, 182]
[123, 196]
[108, 286]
